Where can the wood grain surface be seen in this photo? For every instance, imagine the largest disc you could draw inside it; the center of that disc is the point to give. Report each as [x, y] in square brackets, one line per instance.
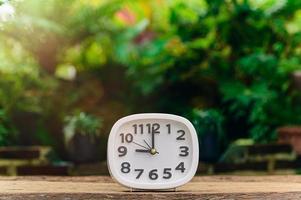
[103, 187]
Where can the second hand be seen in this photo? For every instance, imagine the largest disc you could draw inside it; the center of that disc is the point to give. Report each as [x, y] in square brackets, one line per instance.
[141, 145]
[147, 144]
[150, 149]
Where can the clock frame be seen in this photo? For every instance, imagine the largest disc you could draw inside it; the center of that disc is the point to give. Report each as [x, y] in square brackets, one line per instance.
[112, 153]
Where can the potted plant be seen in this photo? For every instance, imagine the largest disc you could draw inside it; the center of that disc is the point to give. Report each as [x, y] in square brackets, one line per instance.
[81, 131]
[8, 134]
[209, 127]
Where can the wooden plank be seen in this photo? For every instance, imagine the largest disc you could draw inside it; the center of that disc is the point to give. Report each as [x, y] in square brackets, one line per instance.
[24, 152]
[103, 187]
[49, 170]
[264, 149]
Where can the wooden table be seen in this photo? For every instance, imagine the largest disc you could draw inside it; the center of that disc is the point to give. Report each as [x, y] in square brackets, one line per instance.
[102, 187]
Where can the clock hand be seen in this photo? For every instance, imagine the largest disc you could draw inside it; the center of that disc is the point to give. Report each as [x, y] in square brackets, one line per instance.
[153, 140]
[147, 144]
[153, 151]
[146, 150]
[140, 145]
[142, 150]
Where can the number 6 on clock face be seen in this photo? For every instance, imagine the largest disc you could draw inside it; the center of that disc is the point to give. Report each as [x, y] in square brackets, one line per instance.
[153, 151]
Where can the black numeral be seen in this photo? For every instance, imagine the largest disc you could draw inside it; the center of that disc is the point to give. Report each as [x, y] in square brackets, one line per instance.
[122, 150]
[135, 128]
[181, 136]
[168, 128]
[126, 137]
[150, 128]
[184, 151]
[125, 167]
[181, 167]
[141, 128]
[153, 174]
[155, 128]
[140, 171]
[167, 173]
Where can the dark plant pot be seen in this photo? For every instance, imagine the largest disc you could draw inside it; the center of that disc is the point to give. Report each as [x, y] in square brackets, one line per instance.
[297, 79]
[82, 149]
[291, 135]
[209, 147]
[298, 162]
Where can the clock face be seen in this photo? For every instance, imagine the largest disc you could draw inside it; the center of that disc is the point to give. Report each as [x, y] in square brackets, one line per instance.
[153, 151]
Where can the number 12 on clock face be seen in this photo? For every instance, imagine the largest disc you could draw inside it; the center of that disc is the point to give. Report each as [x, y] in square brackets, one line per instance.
[153, 151]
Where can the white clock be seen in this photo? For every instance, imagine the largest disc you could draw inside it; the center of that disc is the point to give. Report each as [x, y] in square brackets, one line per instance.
[153, 151]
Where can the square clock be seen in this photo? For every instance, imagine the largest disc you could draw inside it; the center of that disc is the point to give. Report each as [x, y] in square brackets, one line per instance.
[153, 151]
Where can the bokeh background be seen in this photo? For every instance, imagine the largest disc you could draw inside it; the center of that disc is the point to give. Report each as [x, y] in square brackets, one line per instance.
[70, 68]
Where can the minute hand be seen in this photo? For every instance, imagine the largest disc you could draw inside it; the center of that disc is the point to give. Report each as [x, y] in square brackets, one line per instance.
[153, 139]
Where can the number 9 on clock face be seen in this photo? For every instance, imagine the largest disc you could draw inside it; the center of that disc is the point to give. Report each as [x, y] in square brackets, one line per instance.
[153, 151]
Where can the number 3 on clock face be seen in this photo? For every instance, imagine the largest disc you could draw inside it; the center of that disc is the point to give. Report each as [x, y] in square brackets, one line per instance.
[153, 151]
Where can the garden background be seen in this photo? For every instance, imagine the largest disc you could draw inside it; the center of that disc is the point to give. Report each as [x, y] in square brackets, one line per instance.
[71, 68]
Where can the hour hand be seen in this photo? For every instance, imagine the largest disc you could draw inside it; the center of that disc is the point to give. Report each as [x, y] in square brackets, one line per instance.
[142, 150]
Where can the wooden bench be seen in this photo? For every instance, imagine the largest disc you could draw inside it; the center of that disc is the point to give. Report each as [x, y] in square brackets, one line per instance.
[29, 160]
[103, 187]
[257, 157]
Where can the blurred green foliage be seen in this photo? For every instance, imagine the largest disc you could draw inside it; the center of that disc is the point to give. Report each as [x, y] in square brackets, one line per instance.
[82, 123]
[7, 131]
[234, 56]
[208, 121]
[112, 58]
